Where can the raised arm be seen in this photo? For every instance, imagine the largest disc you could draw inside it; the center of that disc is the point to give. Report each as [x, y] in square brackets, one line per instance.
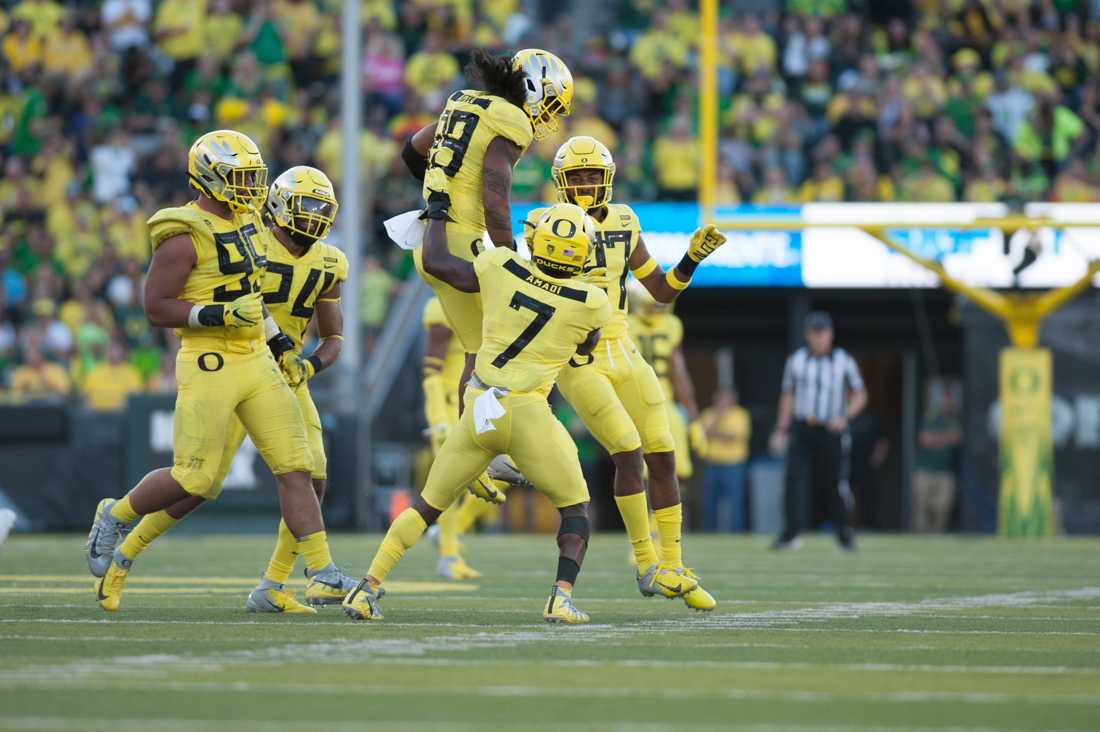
[496, 186]
[667, 286]
[441, 264]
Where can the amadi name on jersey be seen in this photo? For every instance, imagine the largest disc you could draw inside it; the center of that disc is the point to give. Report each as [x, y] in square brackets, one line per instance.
[532, 323]
[616, 239]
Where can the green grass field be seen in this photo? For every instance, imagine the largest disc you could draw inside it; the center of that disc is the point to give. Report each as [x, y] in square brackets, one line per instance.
[908, 634]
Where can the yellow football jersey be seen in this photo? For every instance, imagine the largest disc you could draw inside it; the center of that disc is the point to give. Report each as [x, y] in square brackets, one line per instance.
[532, 323]
[293, 284]
[469, 122]
[657, 337]
[616, 238]
[229, 259]
[455, 360]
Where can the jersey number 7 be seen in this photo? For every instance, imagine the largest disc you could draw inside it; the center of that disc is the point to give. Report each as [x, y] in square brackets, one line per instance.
[543, 313]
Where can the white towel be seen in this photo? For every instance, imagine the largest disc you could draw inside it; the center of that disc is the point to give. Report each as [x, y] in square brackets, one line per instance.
[406, 230]
[486, 409]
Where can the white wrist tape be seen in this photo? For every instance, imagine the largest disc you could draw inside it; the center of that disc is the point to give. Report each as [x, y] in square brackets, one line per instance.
[271, 328]
[193, 317]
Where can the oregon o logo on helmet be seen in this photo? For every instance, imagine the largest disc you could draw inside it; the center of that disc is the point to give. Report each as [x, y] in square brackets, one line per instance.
[572, 228]
[204, 362]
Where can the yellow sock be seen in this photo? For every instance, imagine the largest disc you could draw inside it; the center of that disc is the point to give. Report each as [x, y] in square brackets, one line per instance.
[314, 548]
[405, 531]
[123, 511]
[448, 533]
[669, 522]
[635, 515]
[471, 511]
[282, 559]
[654, 533]
[148, 529]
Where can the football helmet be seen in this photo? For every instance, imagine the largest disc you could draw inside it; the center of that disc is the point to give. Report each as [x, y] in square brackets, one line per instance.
[303, 202]
[549, 89]
[580, 153]
[227, 166]
[563, 237]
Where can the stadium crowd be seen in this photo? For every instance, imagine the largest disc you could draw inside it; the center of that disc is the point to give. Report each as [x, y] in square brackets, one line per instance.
[975, 100]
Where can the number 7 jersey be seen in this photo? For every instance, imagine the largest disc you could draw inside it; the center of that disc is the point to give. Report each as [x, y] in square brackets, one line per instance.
[229, 259]
[532, 323]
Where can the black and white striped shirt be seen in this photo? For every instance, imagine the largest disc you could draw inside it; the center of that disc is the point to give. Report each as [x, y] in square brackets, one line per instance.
[818, 383]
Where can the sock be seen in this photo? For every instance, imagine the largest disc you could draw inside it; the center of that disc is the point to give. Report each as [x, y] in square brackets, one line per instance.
[448, 534]
[314, 548]
[148, 529]
[654, 533]
[471, 511]
[122, 511]
[405, 531]
[669, 521]
[282, 559]
[635, 515]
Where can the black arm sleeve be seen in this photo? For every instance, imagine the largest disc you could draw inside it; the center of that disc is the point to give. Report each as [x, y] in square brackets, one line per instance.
[416, 163]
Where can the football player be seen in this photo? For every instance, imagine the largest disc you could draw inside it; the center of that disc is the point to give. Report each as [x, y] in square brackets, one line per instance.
[658, 333]
[204, 280]
[479, 137]
[614, 390]
[536, 318]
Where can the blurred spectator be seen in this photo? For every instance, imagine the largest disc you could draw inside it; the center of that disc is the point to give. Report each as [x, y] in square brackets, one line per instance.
[676, 158]
[377, 287]
[125, 23]
[938, 442]
[107, 384]
[38, 379]
[728, 429]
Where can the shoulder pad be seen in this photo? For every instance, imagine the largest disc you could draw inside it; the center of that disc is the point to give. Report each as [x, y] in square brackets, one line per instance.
[169, 222]
[335, 259]
[622, 215]
[511, 122]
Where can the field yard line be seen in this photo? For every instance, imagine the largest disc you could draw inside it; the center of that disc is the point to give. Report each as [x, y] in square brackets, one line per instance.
[518, 690]
[185, 725]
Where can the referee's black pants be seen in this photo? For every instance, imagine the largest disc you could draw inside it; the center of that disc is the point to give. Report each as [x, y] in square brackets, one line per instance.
[817, 458]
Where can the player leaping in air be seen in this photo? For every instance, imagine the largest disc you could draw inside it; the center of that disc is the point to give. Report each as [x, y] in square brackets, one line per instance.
[205, 282]
[476, 142]
[536, 318]
[614, 390]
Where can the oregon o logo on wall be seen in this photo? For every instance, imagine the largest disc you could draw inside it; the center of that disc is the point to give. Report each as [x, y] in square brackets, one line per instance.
[1024, 381]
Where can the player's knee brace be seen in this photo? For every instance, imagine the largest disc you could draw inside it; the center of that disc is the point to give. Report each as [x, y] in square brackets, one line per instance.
[574, 524]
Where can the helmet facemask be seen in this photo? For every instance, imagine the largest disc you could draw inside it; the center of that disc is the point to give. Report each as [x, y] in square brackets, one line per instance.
[588, 194]
[245, 188]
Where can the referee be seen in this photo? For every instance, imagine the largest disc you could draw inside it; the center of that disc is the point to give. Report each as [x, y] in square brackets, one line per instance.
[822, 392]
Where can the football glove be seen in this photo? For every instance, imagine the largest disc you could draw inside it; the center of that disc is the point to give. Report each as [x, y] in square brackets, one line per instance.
[500, 468]
[296, 370]
[244, 312]
[482, 487]
[704, 241]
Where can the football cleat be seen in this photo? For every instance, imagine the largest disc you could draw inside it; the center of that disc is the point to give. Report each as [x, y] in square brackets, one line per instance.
[106, 533]
[698, 599]
[275, 599]
[455, 568]
[666, 581]
[329, 586]
[482, 487]
[560, 609]
[362, 602]
[108, 589]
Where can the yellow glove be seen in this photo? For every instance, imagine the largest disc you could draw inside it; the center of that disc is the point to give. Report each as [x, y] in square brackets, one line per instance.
[704, 241]
[483, 488]
[244, 312]
[296, 370]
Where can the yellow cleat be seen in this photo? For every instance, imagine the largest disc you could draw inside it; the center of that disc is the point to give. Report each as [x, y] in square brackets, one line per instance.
[362, 602]
[328, 587]
[483, 487]
[698, 599]
[275, 600]
[455, 568]
[108, 589]
[560, 609]
[666, 581]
